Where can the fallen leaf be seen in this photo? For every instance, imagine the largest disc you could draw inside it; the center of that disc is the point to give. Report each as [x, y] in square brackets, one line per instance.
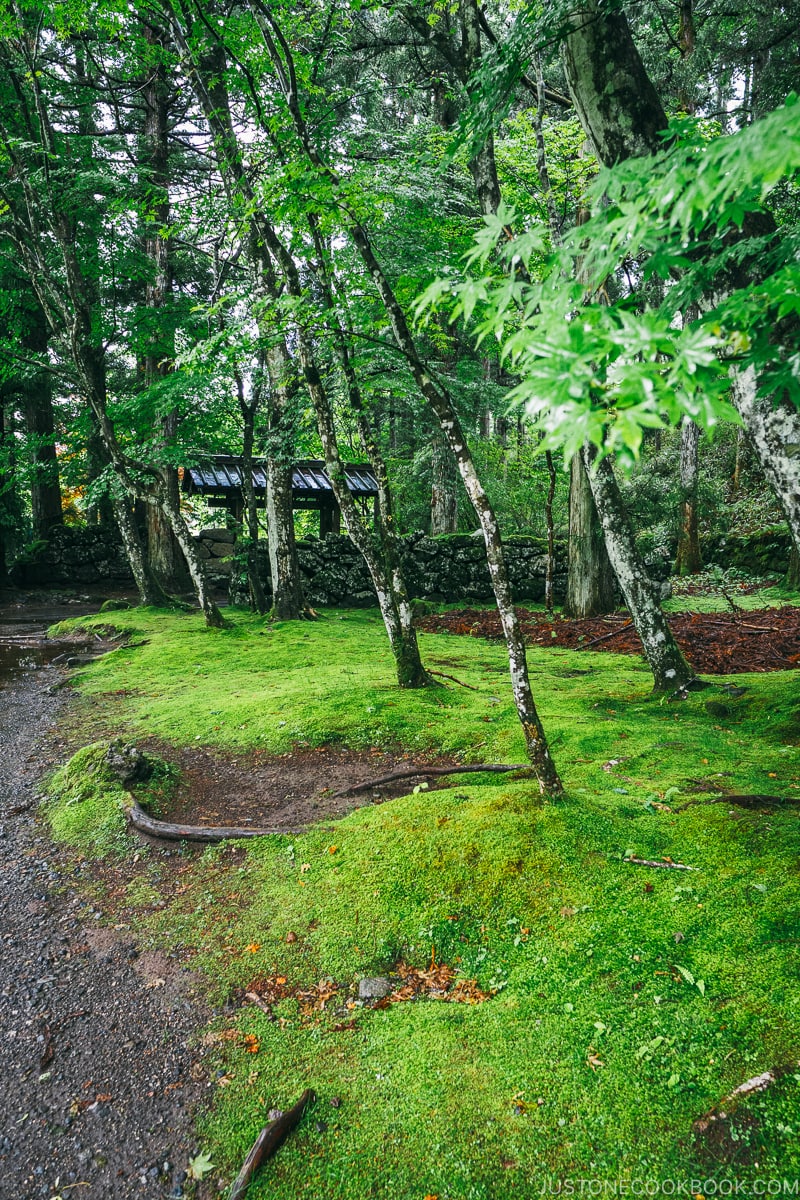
[155, 983]
[253, 947]
[200, 1166]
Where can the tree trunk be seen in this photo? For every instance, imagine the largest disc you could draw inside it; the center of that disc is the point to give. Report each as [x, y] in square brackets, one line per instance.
[287, 588]
[444, 498]
[793, 573]
[535, 739]
[590, 577]
[551, 533]
[46, 512]
[400, 631]
[688, 560]
[614, 97]
[258, 599]
[164, 554]
[150, 591]
[46, 509]
[774, 433]
[6, 483]
[671, 672]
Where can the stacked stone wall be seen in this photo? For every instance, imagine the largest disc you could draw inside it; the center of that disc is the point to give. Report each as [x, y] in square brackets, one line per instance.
[448, 569]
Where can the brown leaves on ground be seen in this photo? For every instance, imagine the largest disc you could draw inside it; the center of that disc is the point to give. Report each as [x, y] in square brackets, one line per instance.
[763, 639]
[437, 982]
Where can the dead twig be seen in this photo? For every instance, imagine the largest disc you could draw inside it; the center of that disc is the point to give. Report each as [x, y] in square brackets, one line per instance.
[460, 682]
[268, 1141]
[415, 772]
[605, 636]
[648, 862]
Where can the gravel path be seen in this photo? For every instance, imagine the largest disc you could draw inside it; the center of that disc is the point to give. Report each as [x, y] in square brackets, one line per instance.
[98, 1082]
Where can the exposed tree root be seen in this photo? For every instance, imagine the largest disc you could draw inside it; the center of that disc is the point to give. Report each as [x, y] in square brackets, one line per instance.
[728, 1103]
[648, 862]
[167, 831]
[416, 772]
[268, 1141]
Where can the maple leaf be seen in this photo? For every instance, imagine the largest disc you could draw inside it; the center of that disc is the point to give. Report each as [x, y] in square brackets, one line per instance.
[200, 1166]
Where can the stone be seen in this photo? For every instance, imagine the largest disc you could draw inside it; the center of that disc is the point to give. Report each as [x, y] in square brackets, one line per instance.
[219, 549]
[218, 534]
[374, 988]
[127, 763]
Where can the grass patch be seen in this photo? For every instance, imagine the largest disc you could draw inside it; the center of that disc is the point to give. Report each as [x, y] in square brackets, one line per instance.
[596, 1052]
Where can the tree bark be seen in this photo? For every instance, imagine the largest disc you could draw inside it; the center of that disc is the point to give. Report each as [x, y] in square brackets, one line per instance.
[6, 483]
[444, 499]
[689, 560]
[590, 578]
[150, 591]
[46, 512]
[774, 434]
[164, 554]
[248, 409]
[287, 588]
[551, 533]
[618, 107]
[671, 671]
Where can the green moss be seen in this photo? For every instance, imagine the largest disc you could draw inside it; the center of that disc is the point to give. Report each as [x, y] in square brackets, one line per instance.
[84, 804]
[579, 949]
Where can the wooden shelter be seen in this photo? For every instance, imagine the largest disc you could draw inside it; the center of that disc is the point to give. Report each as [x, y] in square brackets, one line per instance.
[219, 480]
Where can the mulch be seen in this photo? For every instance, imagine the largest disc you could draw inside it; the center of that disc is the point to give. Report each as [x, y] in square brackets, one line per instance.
[765, 639]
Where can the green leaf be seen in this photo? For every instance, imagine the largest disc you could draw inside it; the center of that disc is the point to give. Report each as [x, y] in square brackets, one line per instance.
[200, 1166]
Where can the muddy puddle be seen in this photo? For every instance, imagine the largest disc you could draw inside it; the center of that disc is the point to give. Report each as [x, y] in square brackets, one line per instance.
[24, 645]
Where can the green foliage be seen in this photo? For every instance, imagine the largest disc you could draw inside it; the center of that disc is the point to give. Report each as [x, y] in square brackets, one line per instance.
[85, 804]
[599, 358]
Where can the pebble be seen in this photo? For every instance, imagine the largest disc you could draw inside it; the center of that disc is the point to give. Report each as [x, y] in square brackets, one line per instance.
[105, 1028]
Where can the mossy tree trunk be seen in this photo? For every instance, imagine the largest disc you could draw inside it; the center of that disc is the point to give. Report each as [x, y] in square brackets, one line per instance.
[590, 576]
[163, 552]
[671, 671]
[287, 588]
[37, 395]
[688, 560]
[444, 498]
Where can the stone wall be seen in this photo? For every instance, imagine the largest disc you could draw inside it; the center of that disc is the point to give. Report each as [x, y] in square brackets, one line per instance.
[73, 555]
[446, 569]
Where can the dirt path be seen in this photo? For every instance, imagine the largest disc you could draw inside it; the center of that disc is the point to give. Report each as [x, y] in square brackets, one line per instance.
[98, 1080]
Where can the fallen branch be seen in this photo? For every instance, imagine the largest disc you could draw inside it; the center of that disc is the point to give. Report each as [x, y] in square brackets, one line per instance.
[415, 772]
[460, 682]
[647, 862]
[757, 1084]
[167, 831]
[605, 636]
[268, 1141]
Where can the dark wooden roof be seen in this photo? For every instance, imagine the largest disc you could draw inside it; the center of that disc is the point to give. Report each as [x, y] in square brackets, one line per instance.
[221, 476]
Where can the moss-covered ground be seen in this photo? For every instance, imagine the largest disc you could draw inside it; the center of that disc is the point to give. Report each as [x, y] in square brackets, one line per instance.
[625, 1002]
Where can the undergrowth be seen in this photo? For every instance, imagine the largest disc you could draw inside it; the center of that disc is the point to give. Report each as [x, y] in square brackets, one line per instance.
[625, 1002]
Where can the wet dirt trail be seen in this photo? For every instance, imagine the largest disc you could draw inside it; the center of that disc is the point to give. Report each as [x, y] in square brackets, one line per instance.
[98, 1079]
